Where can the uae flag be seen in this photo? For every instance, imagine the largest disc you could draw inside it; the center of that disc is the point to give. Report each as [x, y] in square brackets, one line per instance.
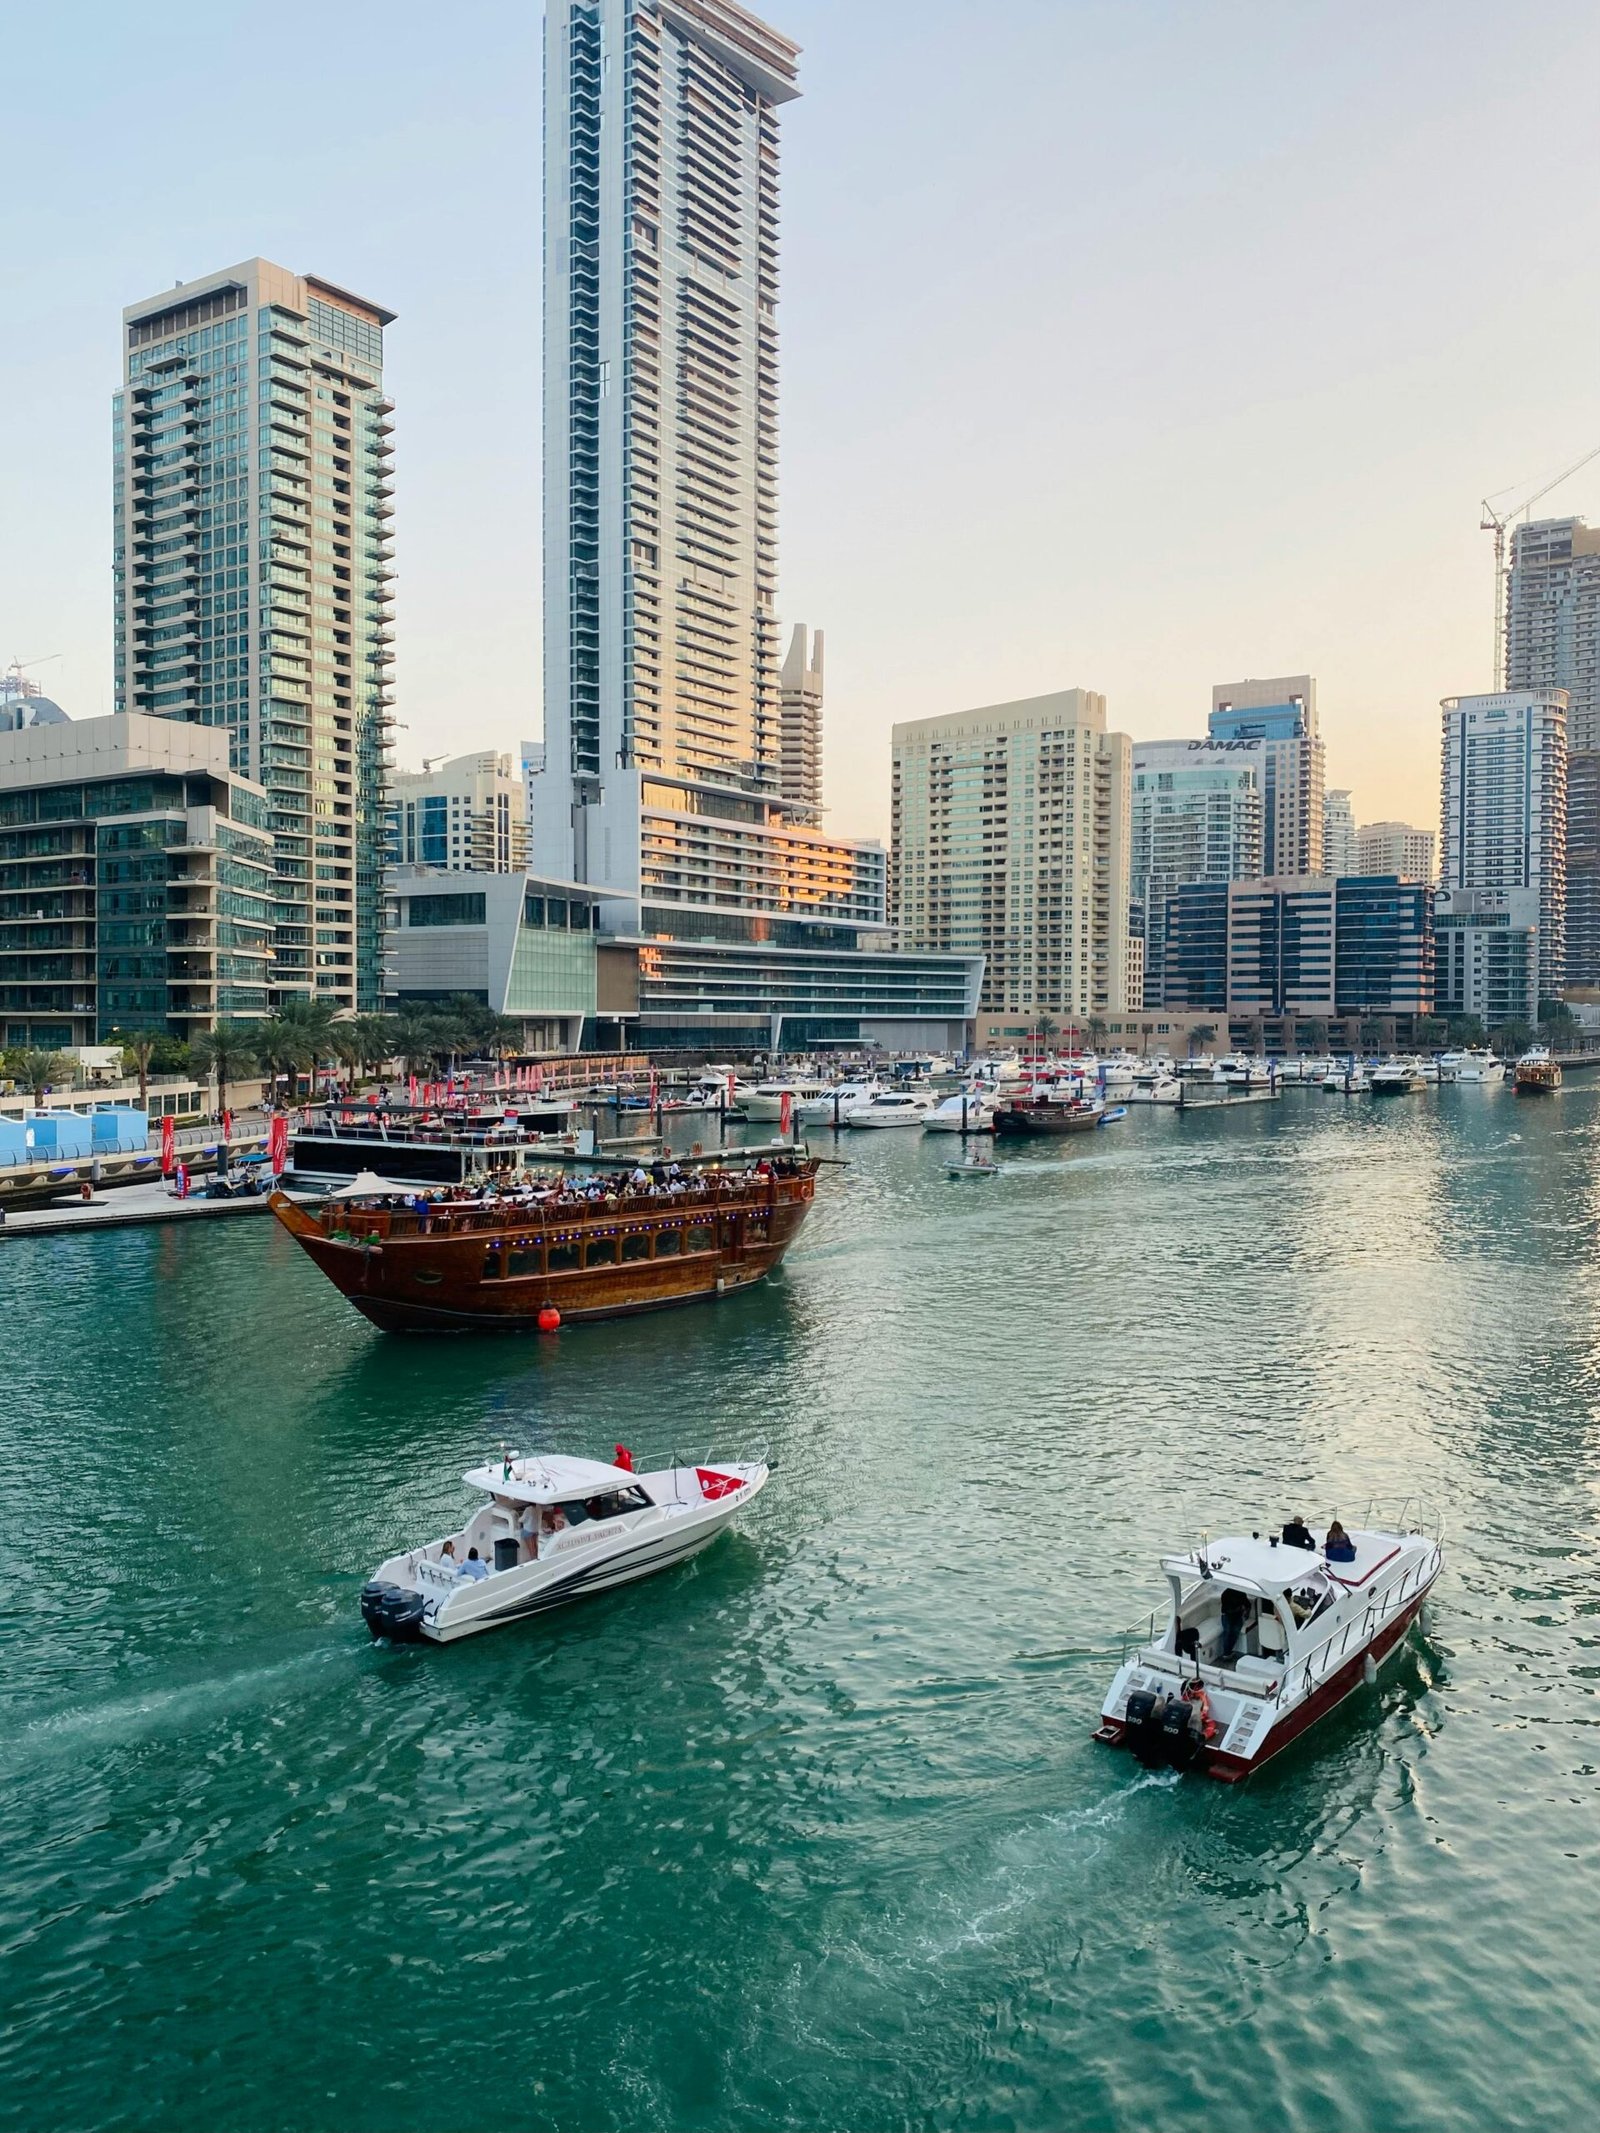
[713, 1484]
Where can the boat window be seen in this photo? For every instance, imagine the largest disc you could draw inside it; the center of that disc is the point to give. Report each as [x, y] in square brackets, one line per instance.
[701, 1237]
[668, 1243]
[493, 1264]
[755, 1226]
[525, 1261]
[636, 1244]
[600, 1251]
[561, 1257]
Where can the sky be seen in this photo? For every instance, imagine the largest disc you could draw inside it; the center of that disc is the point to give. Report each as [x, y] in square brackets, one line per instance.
[1130, 346]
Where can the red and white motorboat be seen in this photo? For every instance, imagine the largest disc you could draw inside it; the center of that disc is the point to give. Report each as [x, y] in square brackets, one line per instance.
[1263, 1639]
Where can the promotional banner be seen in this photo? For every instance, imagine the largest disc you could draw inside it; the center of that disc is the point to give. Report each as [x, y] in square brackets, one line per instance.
[786, 1114]
[166, 1148]
[278, 1145]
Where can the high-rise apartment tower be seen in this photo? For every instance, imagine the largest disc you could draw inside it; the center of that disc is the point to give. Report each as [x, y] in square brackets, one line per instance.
[1553, 642]
[1503, 807]
[1195, 816]
[252, 567]
[800, 721]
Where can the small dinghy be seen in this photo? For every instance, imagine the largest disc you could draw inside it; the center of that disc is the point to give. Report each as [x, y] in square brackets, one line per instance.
[1265, 1636]
[973, 1166]
[554, 1529]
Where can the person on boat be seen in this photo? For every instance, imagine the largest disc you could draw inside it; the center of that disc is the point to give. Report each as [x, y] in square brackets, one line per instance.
[1235, 1610]
[1296, 1533]
[528, 1531]
[474, 1566]
[447, 1554]
[1339, 1547]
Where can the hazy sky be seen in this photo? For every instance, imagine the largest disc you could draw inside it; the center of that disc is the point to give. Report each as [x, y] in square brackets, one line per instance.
[1131, 346]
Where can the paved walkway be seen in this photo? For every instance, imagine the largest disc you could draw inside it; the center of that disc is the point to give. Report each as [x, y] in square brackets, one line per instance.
[122, 1207]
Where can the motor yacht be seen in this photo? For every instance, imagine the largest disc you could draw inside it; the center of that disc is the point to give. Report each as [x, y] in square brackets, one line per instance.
[833, 1106]
[765, 1101]
[1155, 1085]
[1398, 1077]
[1350, 1079]
[553, 1529]
[1474, 1064]
[969, 1110]
[1117, 1074]
[1261, 1639]
[894, 1107]
[1200, 1064]
[1240, 1071]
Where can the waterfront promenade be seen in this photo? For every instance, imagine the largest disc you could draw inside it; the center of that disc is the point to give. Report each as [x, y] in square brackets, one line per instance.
[813, 1833]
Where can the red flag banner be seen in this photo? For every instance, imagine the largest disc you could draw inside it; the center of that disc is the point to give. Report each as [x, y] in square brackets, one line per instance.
[713, 1484]
[786, 1114]
[278, 1145]
[227, 1125]
[166, 1148]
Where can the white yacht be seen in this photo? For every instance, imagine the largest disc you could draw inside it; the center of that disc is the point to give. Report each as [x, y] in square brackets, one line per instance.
[834, 1104]
[765, 1101]
[1118, 1072]
[1398, 1077]
[1349, 1079]
[1239, 1071]
[1477, 1065]
[969, 1110]
[1156, 1085]
[894, 1107]
[1264, 1636]
[554, 1529]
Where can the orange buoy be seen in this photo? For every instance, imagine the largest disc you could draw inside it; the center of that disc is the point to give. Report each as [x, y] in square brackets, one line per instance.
[549, 1319]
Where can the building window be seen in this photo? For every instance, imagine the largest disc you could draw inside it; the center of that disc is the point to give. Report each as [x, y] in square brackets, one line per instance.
[445, 911]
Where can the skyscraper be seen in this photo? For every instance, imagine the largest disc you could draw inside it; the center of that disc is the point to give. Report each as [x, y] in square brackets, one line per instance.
[469, 813]
[800, 721]
[1503, 807]
[252, 567]
[1392, 848]
[665, 774]
[1553, 642]
[1338, 833]
[1282, 713]
[1011, 841]
[1195, 816]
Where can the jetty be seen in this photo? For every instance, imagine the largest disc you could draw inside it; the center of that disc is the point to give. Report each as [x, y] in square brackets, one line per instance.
[125, 1207]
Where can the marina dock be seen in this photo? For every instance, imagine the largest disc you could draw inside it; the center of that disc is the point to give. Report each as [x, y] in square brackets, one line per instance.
[126, 1207]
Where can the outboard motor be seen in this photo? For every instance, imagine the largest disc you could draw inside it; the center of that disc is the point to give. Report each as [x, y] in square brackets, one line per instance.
[1180, 1732]
[1163, 1731]
[390, 1611]
[1143, 1721]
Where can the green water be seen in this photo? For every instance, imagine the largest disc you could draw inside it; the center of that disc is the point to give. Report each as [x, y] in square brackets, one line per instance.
[812, 1833]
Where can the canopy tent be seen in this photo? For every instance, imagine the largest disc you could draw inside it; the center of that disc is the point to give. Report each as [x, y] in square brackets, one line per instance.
[366, 1185]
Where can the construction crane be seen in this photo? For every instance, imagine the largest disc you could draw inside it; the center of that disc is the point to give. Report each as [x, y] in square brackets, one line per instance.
[1496, 522]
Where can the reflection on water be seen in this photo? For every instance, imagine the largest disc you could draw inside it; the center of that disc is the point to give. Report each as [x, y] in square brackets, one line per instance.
[811, 1832]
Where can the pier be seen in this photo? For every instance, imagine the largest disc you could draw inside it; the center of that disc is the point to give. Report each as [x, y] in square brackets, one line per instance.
[125, 1207]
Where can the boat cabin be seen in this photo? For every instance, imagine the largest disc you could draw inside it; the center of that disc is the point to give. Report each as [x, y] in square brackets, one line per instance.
[1245, 1605]
[534, 1505]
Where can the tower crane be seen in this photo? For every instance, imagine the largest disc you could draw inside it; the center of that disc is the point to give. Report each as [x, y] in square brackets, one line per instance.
[1496, 522]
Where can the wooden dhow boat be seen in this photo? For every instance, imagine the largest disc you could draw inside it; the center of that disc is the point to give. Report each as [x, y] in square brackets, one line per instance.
[1536, 1073]
[587, 1248]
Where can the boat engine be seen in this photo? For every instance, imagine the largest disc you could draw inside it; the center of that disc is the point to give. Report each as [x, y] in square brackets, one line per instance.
[390, 1611]
[1164, 1730]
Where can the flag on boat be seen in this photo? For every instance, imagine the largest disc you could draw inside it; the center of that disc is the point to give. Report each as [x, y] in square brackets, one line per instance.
[713, 1484]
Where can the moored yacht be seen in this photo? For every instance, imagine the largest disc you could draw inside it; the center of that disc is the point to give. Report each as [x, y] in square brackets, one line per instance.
[554, 1529]
[1398, 1077]
[1155, 1085]
[969, 1110]
[1263, 1638]
[1347, 1080]
[833, 1105]
[1477, 1064]
[894, 1107]
[765, 1101]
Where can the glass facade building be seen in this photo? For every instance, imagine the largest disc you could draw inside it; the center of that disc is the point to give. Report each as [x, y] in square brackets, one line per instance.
[523, 946]
[252, 501]
[135, 883]
[1313, 946]
[1195, 816]
[1503, 807]
[1282, 715]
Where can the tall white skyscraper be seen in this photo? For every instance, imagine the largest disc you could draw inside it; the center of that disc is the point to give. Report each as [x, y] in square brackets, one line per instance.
[660, 413]
[1392, 848]
[664, 773]
[1503, 807]
[800, 722]
[252, 503]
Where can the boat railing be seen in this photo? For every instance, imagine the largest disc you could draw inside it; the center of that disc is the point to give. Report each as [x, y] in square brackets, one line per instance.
[1405, 1514]
[1313, 1666]
[444, 1219]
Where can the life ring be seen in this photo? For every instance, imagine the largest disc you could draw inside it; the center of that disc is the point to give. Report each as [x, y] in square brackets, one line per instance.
[1195, 1692]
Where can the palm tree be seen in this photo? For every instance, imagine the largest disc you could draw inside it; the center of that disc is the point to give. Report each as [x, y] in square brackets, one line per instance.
[312, 1023]
[228, 1051]
[139, 1046]
[284, 1045]
[1203, 1033]
[38, 1070]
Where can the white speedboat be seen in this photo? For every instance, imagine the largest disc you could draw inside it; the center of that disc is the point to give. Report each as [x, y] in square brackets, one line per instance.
[765, 1101]
[970, 1110]
[1263, 1639]
[894, 1107]
[972, 1166]
[554, 1529]
[1155, 1085]
[1398, 1077]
